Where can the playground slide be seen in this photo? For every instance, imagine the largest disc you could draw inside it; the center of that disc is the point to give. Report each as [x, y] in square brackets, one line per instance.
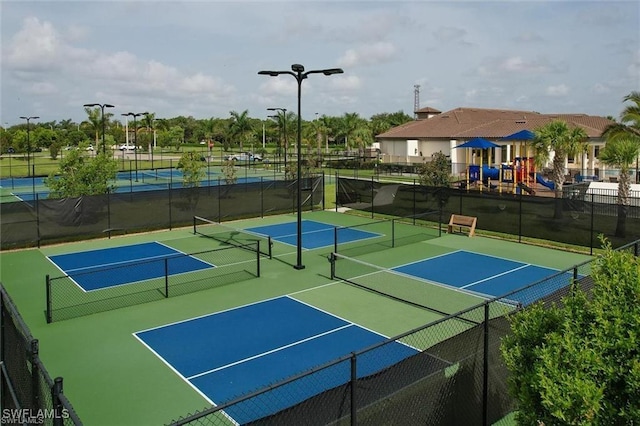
[542, 181]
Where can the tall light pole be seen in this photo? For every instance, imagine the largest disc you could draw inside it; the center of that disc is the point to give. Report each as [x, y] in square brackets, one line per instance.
[135, 135]
[102, 107]
[284, 130]
[297, 71]
[29, 143]
[277, 118]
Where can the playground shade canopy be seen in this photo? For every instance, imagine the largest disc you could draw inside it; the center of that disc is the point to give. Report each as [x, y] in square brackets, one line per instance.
[522, 135]
[478, 143]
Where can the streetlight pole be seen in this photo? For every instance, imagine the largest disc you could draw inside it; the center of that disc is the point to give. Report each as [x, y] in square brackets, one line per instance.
[284, 130]
[277, 118]
[102, 107]
[29, 143]
[297, 71]
[135, 135]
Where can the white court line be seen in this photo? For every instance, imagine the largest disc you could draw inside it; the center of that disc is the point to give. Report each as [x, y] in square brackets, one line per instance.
[260, 355]
[496, 276]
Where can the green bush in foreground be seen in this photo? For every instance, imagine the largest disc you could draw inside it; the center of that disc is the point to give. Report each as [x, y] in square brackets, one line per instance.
[579, 363]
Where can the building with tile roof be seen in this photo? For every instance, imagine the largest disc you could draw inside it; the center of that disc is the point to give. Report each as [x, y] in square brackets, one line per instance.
[433, 131]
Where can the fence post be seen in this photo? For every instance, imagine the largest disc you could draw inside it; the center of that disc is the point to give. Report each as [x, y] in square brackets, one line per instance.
[219, 202]
[261, 197]
[37, 201]
[323, 187]
[170, 207]
[592, 217]
[335, 239]
[354, 380]
[35, 374]
[413, 189]
[485, 368]
[56, 390]
[372, 195]
[520, 217]
[166, 278]
[336, 191]
[48, 292]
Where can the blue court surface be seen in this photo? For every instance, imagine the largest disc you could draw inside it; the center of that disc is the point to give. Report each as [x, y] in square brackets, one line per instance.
[231, 353]
[104, 268]
[487, 275]
[314, 234]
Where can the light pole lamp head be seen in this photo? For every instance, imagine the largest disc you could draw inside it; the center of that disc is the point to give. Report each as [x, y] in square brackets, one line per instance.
[332, 71]
[91, 105]
[109, 106]
[271, 73]
[297, 68]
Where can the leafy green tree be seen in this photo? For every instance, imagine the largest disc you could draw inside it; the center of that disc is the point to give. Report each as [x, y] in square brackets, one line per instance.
[229, 172]
[192, 171]
[80, 175]
[579, 363]
[556, 136]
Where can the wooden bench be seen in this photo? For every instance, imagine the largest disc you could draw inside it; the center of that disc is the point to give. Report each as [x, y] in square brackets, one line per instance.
[461, 222]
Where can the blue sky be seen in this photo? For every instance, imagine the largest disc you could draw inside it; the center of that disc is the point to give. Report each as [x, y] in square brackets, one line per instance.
[202, 58]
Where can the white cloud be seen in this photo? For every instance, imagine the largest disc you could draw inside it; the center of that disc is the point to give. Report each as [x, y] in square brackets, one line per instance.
[347, 82]
[376, 53]
[42, 88]
[34, 47]
[558, 90]
[450, 34]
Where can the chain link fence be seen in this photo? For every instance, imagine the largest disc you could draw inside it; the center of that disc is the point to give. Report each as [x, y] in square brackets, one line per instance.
[577, 218]
[42, 221]
[28, 393]
[454, 376]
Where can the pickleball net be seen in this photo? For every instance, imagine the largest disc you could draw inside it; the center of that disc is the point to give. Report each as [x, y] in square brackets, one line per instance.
[227, 235]
[420, 293]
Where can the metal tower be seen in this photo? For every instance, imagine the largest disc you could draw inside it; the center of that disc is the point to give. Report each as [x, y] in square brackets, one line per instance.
[416, 100]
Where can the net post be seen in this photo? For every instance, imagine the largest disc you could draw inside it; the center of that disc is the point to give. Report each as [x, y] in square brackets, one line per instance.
[166, 278]
[393, 233]
[48, 291]
[270, 246]
[258, 258]
[194, 225]
[332, 260]
[354, 381]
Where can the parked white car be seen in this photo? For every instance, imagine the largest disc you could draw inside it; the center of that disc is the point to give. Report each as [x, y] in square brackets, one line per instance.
[127, 147]
[244, 156]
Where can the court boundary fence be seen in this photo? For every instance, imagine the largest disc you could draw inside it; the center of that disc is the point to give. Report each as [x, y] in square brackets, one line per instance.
[28, 393]
[457, 377]
[577, 218]
[65, 299]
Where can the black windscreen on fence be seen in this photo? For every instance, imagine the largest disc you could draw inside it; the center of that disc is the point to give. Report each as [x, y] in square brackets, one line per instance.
[577, 218]
[44, 220]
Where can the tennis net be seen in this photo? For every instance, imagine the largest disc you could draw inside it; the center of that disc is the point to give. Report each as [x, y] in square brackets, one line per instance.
[404, 288]
[232, 236]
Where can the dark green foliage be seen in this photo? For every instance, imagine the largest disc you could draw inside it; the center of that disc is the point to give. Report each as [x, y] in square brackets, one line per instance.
[579, 363]
[436, 172]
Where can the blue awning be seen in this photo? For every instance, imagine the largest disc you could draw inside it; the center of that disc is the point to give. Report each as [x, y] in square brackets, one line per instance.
[522, 135]
[478, 143]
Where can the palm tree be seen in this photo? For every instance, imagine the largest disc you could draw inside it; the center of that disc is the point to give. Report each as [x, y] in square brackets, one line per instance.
[622, 149]
[621, 153]
[240, 125]
[556, 136]
[94, 120]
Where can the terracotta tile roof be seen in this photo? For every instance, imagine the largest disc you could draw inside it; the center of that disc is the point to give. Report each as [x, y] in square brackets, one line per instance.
[467, 123]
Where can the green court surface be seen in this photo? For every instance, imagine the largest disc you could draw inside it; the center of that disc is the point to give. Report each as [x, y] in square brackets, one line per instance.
[111, 378]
